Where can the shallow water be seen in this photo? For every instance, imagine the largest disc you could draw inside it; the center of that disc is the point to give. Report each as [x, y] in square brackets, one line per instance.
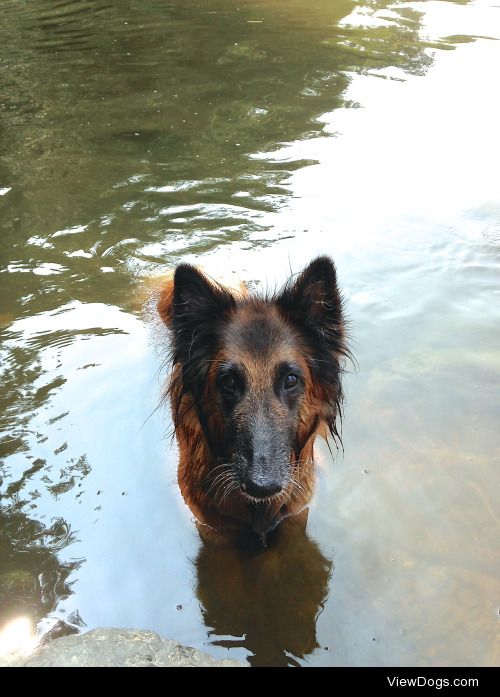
[249, 138]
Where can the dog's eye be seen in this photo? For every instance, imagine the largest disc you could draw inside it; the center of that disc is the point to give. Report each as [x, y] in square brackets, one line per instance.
[291, 381]
[228, 382]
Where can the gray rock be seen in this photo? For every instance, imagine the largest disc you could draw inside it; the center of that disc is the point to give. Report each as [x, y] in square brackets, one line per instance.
[117, 647]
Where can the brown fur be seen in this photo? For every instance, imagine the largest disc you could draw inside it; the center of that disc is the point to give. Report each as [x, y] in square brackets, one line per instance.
[222, 515]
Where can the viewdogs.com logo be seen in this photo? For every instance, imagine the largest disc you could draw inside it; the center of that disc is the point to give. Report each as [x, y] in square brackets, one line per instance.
[437, 683]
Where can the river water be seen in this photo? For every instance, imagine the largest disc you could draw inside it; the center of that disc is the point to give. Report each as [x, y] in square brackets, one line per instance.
[248, 137]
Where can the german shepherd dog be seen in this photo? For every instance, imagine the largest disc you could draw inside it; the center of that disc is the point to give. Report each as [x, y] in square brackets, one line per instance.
[254, 380]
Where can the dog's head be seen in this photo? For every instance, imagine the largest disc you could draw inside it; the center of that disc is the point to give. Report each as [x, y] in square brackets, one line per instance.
[263, 374]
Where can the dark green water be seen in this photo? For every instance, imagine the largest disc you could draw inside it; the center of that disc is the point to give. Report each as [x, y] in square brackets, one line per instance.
[248, 137]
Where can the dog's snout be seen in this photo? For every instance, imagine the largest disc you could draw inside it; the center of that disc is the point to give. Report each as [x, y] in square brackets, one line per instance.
[261, 490]
[262, 475]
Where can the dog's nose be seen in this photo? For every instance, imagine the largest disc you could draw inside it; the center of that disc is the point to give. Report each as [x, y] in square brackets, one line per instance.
[262, 490]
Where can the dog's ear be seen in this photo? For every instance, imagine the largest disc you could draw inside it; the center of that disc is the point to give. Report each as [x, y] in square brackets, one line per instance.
[198, 305]
[313, 303]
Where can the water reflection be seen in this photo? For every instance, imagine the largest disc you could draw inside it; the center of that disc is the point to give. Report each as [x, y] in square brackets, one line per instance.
[147, 118]
[248, 137]
[45, 371]
[133, 136]
[266, 601]
[33, 579]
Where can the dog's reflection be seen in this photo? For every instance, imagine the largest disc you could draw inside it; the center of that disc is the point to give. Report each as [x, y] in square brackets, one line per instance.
[266, 600]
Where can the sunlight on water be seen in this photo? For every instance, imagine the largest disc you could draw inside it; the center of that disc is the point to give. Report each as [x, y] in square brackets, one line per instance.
[17, 637]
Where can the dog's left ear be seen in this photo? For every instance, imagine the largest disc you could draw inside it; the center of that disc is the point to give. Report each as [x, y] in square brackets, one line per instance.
[314, 304]
[197, 308]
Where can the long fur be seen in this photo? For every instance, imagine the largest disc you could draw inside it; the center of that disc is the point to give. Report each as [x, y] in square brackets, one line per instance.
[208, 322]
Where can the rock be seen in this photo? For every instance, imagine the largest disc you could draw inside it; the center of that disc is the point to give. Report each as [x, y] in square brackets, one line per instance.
[117, 647]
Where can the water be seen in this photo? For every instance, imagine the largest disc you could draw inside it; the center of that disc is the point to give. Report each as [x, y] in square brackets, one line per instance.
[249, 137]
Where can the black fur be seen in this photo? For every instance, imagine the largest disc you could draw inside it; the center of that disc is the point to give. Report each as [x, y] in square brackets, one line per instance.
[199, 308]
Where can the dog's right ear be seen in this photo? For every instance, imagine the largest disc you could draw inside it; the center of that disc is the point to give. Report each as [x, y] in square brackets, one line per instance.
[196, 307]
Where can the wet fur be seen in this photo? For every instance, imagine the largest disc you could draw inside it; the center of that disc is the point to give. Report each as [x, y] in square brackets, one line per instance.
[302, 325]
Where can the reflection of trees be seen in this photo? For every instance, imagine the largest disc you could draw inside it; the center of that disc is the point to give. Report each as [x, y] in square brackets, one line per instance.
[270, 598]
[32, 578]
[106, 103]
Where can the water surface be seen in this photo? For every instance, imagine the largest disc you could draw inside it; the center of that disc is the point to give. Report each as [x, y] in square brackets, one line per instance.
[249, 137]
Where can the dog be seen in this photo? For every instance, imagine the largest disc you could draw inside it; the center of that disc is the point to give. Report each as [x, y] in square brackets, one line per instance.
[255, 379]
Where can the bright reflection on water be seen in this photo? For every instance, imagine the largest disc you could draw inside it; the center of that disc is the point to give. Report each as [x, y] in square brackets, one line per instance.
[249, 139]
[17, 637]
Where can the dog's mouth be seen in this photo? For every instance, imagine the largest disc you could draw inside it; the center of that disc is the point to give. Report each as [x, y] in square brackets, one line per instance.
[260, 494]
[257, 499]
[266, 518]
